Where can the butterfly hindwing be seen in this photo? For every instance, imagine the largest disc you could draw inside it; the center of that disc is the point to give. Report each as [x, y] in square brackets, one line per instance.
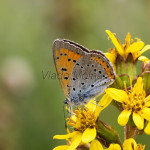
[90, 77]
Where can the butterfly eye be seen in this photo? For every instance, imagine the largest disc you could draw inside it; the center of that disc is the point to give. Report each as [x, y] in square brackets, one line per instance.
[94, 69]
[92, 85]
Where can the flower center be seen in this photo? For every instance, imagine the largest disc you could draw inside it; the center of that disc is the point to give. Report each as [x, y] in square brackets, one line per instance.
[135, 101]
[84, 119]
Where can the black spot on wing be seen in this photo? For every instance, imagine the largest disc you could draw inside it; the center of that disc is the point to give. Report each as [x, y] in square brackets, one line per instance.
[63, 69]
[66, 78]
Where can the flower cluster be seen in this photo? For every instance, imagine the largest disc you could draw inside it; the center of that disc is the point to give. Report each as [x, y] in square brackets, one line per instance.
[130, 94]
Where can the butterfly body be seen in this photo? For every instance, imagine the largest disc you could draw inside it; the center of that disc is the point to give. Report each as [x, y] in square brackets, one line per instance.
[83, 74]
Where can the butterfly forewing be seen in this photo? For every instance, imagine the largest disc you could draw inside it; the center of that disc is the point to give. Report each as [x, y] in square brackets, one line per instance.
[65, 55]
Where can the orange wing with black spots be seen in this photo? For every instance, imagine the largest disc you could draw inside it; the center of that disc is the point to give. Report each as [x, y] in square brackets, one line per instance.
[65, 54]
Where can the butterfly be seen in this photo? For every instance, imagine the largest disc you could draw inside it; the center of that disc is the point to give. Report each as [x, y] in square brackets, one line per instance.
[83, 74]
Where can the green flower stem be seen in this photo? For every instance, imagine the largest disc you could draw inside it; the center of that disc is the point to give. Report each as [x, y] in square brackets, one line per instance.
[106, 134]
[126, 68]
[130, 129]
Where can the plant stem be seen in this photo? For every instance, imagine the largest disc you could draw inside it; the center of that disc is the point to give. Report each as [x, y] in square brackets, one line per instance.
[130, 131]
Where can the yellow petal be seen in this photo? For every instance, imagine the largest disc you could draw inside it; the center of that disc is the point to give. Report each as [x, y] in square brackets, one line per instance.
[124, 117]
[116, 43]
[128, 39]
[111, 57]
[62, 147]
[145, 113]
[114, 147]
[118, 95]
[135, 47]
[129, 144]
[139, 85]
[91, 105]
[147, 47]
[75, 141]
[138, 120]
[147, 129]
[104, 102]
[96, 145]
[147, 103]
[144, 59]
[66, 136]
[88, 135]
[148, 98]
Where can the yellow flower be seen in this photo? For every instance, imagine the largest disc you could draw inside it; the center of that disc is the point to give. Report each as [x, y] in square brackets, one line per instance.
[129, 144]
[84, 124]
[135, 48]
[134, 102]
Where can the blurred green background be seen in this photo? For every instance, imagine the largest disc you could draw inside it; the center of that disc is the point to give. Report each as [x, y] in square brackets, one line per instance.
[31, 107]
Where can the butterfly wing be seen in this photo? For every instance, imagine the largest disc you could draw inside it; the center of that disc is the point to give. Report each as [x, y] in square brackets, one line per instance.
[66, 53]
[90, 77]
